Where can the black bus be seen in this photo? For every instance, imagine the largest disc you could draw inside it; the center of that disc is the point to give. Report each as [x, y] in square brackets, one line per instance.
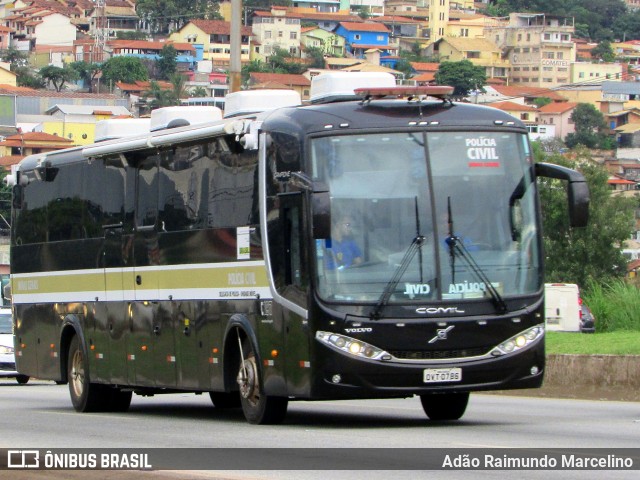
[361, 246]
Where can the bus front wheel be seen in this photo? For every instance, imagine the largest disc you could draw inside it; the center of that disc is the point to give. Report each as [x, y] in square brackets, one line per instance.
[444, 406]
[257, 407]
[85, 396]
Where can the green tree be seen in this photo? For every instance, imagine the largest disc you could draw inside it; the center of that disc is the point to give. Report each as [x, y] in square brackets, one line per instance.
[19, 61]
[603, 52]
[58, 76]
[167, 63]
[16, 58]
[164, 15]
[198, 92]
[593, 253]
[123, 69]
[542, 101]
[87, 71]
[158, 97]
[130, 35]
[463, 76]
[590, 128]
[315, 55]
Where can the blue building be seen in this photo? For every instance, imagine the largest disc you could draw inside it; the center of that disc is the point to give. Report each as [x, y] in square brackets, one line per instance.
[365, 36]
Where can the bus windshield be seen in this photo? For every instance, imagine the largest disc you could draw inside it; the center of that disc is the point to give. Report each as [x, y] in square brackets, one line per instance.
[431, 216]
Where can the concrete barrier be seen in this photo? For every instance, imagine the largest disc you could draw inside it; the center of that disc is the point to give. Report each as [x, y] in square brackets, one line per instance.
[592, 377]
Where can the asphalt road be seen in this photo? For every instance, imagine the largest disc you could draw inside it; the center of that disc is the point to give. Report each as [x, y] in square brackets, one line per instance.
[40, 415]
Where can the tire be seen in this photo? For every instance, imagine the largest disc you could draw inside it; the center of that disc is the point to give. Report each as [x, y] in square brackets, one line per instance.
[258, 408]
[85, 396]
[445, 406]
[222, 400]
[22, 379]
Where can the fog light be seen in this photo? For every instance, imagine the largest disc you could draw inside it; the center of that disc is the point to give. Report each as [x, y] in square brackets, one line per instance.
[336, 378]
[534, 370]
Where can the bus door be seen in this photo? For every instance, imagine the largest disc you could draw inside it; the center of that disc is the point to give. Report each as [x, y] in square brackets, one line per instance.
[118, 182]
[292, 312]
[152, 319]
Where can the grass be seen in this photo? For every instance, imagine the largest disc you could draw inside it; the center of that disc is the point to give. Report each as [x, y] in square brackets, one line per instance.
[616, 307]
[619, 342]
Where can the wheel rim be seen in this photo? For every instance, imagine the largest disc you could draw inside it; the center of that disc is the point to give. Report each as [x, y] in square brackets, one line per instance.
[77, 373]
[248, 380]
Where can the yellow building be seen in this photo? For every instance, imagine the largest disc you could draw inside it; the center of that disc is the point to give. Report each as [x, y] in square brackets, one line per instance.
[7, 77]
[479, 51]
[587, 72]
[78, 122]
[29, 143]
[215, 38]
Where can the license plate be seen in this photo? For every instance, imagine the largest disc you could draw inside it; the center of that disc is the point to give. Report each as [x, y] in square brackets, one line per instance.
[436, 375]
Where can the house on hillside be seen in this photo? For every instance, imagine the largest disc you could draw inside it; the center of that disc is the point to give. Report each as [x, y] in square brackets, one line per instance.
[331, 44]
[558, 114]
[29, 143]
[299, 83]
[186, 53]
[361, 37]
[479, 51]
[213, 38]
[275, 30]
[34, 25]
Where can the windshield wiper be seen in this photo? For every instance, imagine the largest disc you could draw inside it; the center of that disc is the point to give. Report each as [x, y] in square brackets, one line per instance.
[393, 283]
[456, 246]
[414, 248]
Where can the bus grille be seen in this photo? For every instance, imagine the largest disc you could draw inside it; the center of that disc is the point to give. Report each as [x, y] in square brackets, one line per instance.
[438, 354]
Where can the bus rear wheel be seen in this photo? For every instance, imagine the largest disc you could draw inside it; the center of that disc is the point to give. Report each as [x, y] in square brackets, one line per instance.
[22, 379]
[85, 396]
[445, 406]
[257, 407]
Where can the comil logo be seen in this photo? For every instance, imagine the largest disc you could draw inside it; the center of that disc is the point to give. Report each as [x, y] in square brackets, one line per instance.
[23, 459]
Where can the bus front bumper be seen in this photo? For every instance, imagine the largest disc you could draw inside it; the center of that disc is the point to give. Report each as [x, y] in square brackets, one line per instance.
[342, 376]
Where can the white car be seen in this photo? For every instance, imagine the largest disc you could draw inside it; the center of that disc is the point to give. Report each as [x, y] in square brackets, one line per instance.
[7, 355]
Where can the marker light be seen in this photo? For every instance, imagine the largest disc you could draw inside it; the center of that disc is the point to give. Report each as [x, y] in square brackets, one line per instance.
[519, 341]
[352, 346]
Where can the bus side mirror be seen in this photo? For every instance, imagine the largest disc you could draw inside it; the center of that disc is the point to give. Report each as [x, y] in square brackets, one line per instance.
[321, 214]
[578, 191]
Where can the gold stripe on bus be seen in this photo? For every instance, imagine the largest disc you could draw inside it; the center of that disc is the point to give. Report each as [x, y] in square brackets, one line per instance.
[150, 278]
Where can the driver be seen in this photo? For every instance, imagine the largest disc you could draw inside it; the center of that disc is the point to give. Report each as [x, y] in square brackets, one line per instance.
[342, 251]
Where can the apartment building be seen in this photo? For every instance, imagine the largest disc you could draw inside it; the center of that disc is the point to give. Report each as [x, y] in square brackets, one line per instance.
[540, 47]
[273, 30]
[213, 38]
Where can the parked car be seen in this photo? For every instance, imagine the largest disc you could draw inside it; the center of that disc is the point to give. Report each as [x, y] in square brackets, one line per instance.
[587, 320]
[7, 355]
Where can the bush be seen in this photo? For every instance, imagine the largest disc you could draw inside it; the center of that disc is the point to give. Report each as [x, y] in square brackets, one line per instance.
[616, 305]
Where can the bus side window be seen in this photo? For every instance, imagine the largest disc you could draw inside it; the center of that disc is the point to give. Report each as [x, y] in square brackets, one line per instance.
[147, 192]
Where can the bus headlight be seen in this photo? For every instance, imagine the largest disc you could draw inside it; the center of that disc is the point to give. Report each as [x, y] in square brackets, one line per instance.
[519, 341]
[352, 346]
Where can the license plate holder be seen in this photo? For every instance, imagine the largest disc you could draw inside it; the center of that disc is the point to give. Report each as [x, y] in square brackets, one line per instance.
[442, 375]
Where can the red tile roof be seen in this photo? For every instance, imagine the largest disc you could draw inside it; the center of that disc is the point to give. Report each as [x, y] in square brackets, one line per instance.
[558, 107]
[364, 27]
[218, 26]
[36, 137]
[512, 107]
[283, 78]
[531, 92]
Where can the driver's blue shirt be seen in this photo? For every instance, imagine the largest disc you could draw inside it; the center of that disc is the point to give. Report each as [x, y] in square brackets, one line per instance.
[341, 254]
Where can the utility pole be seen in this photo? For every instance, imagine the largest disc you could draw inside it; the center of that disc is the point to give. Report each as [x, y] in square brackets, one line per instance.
[100, 34]
[235, 63]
